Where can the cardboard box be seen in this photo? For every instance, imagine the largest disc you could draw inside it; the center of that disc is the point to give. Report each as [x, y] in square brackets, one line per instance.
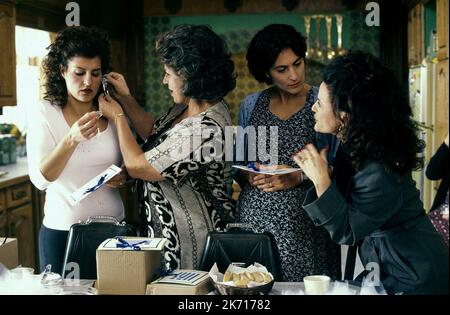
[125, 270]
[9, 253]
[182, 282]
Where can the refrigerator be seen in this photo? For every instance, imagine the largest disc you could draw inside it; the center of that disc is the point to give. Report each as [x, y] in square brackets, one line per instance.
[422, 96]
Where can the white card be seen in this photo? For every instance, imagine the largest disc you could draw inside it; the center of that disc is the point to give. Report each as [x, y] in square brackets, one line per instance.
[268, 172]
[94, 184]
[186, 277]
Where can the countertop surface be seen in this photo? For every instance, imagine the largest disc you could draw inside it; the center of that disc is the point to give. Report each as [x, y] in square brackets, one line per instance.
[15, 173]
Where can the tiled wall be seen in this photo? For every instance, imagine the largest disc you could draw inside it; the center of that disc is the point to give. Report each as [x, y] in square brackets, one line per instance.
[356, 36]
[361, 36]
[157, 97]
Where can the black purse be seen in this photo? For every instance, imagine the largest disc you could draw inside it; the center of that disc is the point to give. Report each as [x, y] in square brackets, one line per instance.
[240, 246]
[84, 239]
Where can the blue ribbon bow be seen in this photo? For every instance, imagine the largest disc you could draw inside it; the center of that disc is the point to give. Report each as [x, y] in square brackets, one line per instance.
[97, 186]
[124, 244]
[163, 272]
[252, 166]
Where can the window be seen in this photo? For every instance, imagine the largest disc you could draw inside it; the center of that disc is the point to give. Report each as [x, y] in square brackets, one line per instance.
[31, 47]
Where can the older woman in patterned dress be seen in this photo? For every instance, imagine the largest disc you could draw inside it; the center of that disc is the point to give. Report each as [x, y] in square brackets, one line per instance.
[181, 166]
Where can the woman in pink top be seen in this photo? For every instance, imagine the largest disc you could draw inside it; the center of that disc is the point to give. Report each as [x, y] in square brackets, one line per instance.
[68, 139]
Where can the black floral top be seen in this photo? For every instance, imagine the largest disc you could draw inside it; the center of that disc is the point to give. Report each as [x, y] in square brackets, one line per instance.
[304, 248]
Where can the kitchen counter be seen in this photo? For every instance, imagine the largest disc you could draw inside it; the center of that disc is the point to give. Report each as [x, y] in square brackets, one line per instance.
[15, 173]
[20, 211]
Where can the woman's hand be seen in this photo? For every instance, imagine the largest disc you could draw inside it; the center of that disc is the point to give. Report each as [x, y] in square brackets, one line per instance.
[109, 107]
[272, 183]
[120, 87]
[84, 128]
[119, 180]
[315, 166]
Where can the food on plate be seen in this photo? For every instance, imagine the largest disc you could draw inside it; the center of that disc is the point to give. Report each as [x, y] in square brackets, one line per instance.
[249, 276]
[228, 276]
[242, 283]
[243, 279]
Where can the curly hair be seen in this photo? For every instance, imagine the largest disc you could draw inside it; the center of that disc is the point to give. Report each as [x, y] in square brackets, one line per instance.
[72, 42]
[380, 125]
[267, 44]
[201, 57]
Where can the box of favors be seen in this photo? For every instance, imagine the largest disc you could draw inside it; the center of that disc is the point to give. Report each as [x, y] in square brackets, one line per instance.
[126, 265]
[181, 282]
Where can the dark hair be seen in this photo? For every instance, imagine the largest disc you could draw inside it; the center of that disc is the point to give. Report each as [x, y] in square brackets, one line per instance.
[79, 41]
[201, 57]
[380, 125]
[267, 44]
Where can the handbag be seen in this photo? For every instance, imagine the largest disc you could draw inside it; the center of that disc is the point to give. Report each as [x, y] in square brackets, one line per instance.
[85, 237]
[241, 244]
[441, 225]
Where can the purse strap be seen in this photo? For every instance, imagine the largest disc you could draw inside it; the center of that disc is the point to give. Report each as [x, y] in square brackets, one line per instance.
[102, 218]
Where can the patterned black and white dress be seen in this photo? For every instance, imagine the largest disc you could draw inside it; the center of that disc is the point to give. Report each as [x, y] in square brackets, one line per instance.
[304, 248]
[192, 199]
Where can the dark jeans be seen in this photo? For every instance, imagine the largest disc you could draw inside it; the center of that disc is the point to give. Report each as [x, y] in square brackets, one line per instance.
[52, 245]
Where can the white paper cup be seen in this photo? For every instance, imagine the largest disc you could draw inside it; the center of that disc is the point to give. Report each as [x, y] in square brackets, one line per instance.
[316, 285]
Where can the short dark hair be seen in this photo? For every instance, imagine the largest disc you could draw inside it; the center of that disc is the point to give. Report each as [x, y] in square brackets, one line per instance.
[267, 44]
[381, 125]
[201, 57]
[78, 41]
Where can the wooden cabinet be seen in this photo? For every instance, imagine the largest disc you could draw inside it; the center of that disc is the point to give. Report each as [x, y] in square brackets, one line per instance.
[118, 55]
[442, 28]
[20, 224]
[3, 222]
[416, 49]
[18, 195]
[17, 220]
[7, 54]
[441, 128]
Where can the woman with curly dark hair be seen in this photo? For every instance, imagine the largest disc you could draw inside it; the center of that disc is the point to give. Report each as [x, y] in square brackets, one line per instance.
[68, 138]
[372, 200]
[181, 166]
[276, 56]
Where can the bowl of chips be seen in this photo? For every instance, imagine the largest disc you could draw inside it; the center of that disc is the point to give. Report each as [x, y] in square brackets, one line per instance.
[253, 280]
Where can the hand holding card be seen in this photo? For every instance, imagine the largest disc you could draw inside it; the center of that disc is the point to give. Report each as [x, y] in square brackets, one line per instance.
[94, 184]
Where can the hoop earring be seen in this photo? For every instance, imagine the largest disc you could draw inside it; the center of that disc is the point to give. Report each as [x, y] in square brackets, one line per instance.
[339, 133]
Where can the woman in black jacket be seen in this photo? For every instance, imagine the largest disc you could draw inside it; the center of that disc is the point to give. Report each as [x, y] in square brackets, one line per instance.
[372, 201]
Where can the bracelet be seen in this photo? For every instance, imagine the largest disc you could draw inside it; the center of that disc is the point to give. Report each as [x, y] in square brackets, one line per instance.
[117, 116]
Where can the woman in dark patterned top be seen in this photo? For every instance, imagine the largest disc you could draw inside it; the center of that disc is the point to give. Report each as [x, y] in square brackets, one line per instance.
[273, 203]
[181, 166]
